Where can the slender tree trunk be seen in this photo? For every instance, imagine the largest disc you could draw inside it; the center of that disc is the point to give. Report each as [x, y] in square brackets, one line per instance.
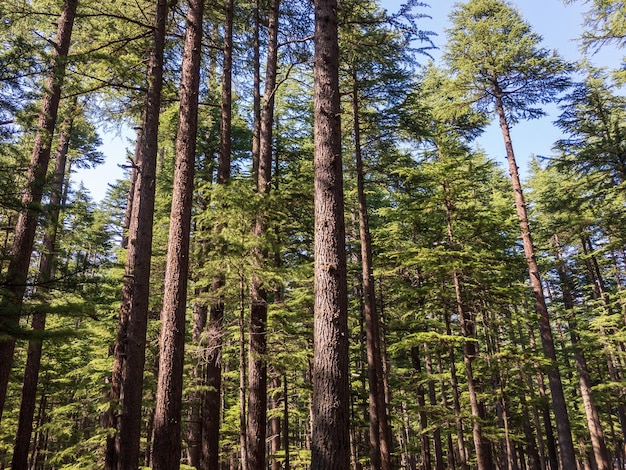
[482, 446]
[211, 397]
[257, 366]
[129, 355]
[194, 435]
[566, 444]
[594, 425]
[456, 401]
[166, 450]
[242, 379]
[380, 434]
[432, 399]
[286, 422]
[256, 91]
[423, 417]
[274, 422]
[33, 360]
[330, 441]
[24, 237]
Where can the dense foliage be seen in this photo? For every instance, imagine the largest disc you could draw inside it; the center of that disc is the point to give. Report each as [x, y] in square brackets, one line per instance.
[462, 375]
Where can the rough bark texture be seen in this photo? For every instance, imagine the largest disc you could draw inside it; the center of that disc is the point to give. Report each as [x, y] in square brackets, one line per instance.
[166, 450]
[211, 403]
[380, 433]
[564, 432]
[330, 439]
[594, 425]
[129, 355]
[33, 359]
[257, 362]
[482, 446]
[15, 283]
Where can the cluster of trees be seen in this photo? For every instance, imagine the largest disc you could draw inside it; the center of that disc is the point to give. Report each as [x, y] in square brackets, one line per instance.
[309, 263]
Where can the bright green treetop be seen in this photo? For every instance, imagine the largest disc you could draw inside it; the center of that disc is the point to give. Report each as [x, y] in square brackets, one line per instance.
[493, 52]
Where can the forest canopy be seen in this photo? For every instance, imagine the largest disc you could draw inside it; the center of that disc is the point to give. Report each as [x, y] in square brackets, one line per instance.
[310, 261]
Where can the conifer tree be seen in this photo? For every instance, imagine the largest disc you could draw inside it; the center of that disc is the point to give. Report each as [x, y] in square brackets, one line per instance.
[166, 450]
[27, 221]
[499, 67]
[129, 357]
[330, 442]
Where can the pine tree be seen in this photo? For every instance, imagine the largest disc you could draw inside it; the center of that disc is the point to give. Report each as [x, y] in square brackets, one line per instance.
[166, 450]
[330, 444]
[499, 67]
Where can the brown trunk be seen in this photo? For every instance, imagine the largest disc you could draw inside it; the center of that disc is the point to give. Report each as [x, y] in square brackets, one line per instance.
[432, 399]
[33, 360]
[129, 354]
[211, 398]
[257, 364]
[166, 450]
[194, 435]
[482, 446]
[286, 422]
[23, 240]
[242, 377]
[275, 427]
[594, 425]
[559, 406]
[256, 92]
[454, 383]
[380, 434]
[423, 417]
[330, 440]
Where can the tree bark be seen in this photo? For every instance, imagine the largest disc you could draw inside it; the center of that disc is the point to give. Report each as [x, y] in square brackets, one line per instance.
[330, 440]
[15, 282]
[564, 432]
[257, 362]
[166, 450]
[46, 268]
[594, 425]
[380, 434]
[129, 355]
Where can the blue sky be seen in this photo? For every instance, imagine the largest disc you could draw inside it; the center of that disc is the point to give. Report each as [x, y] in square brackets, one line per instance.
[557, 23]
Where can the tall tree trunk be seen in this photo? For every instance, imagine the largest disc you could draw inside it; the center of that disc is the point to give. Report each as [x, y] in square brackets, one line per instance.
[596, 433]
[211, 397]
[24, 237]
[166, 450]
[432, 399]
[33, 359]
[129, 355]
[456, 401]
[380, 434]
[194, 434]
[423, 416]
[257, 363]
[564, 431]
[242, 377]
[330, 440]
[482, 446]
[274, 421]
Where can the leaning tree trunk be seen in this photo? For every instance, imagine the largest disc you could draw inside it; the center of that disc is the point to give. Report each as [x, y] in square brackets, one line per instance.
[559, 406]
[166, 446]
[330, 440]
[129, 355]
[33, 358]
[15, 282]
